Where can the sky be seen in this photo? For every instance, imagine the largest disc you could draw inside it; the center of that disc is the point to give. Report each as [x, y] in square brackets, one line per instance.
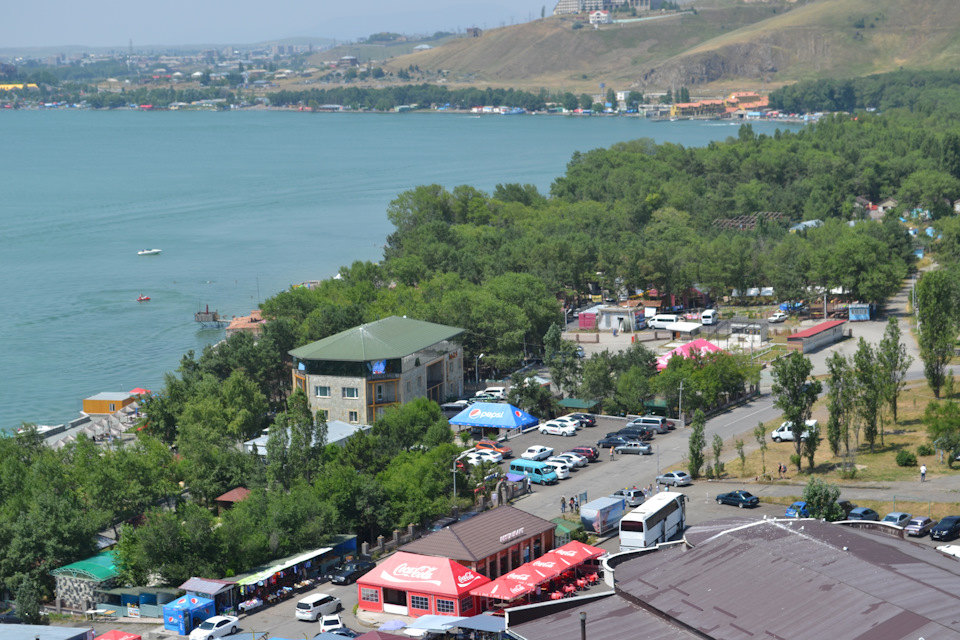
[113, 23]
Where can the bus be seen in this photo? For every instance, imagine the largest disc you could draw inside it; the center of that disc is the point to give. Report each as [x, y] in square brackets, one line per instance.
[657, 520]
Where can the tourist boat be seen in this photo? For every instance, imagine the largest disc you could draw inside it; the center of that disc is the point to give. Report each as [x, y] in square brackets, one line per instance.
[149, 252]
[142, 298]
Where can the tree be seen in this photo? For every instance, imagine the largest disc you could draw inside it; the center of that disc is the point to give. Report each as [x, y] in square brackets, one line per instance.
[821, 498]
[760, 435]
[742, 455]
[810, 444]
[612, 97]
[894, 361]
[717, 450]
[28, 602]
[870, 389]
[795, 394]
[937, 324]
[841, 403]
[697, 443]
[586, 101]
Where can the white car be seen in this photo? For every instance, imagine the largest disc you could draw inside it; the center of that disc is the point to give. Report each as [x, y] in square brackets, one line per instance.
[215, 627]
[477, 457]
[577, 459]
[573, 422]
[563, 472]
[537, 452]
[555, 428]
[331, 622]
[779, 316]
[561, 460]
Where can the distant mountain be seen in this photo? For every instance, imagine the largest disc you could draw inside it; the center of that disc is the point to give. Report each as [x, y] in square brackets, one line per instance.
[730, 43]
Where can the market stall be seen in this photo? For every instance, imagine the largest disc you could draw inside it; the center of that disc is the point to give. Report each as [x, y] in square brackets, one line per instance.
[279, 581]
[489, 416]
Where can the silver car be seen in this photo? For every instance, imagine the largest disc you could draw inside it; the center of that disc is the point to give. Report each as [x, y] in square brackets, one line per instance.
[633, 497]
[635, 447]
[676, 478]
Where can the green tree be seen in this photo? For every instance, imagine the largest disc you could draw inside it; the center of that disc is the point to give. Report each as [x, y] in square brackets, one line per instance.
[741, 454]
[841, 403]
[760, 435]
[870, 389]
[612, 97]
[528, 394]
[893, 361]
[937, 324]
[810, 445]
[586, 101]
[717, 450]
[821, 498]
[697, 442]
[795, 393]
[28, 602]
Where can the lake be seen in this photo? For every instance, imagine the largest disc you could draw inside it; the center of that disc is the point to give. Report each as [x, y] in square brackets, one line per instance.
[242, 204]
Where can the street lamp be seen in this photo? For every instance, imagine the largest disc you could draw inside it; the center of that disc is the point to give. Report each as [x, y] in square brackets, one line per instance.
[682, 425]
[583, 625]
[477, 366]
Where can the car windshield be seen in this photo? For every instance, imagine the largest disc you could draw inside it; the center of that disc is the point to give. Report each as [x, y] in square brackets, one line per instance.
[680, 474]
[917, 521]
[207, 625]
[950, 521]
[744, 494]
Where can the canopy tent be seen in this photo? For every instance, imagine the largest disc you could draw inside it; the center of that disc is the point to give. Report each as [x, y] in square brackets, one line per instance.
[515, 584]
[698, 347]
[431, 624]
[285, 564]
[425, 574]
[483, 622]
[118, 635]
[139, 391]
[578, 404]
[494, 414]
[576, 552]
[181, 614]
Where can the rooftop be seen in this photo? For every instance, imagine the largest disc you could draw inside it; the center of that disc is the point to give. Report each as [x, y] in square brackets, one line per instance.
[99, 568]
[820, 328]
[389, 338]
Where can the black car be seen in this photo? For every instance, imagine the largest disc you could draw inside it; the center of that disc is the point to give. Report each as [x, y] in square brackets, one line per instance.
[947, 529]
[586, 419]
[636, 433]
[350, 571]
[612, 440]
[738, 498]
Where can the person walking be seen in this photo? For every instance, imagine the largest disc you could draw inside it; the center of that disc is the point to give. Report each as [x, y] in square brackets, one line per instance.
[576, 503]
[923, 473]
[572, 503]
[611, 454]
[563, 505]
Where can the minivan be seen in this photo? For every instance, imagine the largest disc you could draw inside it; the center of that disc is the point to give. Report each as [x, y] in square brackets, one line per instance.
[538, 472]
[710, 316]
[319, 604]
[661, 320]
[495, 392]
[657, 423]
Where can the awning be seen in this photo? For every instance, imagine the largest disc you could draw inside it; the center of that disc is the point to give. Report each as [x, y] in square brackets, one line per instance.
[494, 414]
[577, 552]
[118, 635]
[409, 571]
[515, 477]
[288, 563]
[518, 582]
[483, 622]
[431, 623]
[577, 403]
[698, 347]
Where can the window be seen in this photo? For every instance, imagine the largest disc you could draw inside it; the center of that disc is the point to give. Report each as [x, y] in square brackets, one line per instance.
[353, 416]
[420, 602]
[321, 392]
[350, 392]
[445, 606]
[466, 604]
[370, 595]
[323, 412]
[379, 389]
[113, 408]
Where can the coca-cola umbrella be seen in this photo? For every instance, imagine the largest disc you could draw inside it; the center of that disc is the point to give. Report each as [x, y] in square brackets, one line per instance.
[518, 582]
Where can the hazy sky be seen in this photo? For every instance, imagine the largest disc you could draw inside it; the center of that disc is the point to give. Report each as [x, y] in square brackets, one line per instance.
[114, 22]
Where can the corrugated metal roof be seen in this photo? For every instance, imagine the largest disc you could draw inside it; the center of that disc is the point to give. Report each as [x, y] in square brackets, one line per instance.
[99, 568]
[812, 331]
[480, 537]
[384, 339]
[209, 586]
[776, 578]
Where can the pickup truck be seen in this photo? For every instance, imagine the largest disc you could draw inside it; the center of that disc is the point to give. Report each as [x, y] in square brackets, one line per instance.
[785, 431]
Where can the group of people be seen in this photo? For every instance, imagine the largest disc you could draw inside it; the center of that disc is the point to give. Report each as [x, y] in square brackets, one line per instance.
[573, 504]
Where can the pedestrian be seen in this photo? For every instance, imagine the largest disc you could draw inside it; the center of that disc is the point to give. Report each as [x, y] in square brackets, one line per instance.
[923, 473]
[780, 470]
[611, 454]
[571, 504]
[563, 505]
[576, 503]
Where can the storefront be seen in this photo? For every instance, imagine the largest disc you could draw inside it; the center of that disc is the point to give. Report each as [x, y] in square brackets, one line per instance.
[492, 544]
[412, 585]
[279, 581]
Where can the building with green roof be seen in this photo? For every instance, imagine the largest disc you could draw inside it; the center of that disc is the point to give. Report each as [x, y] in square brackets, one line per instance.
[77, 583]
[355, 375]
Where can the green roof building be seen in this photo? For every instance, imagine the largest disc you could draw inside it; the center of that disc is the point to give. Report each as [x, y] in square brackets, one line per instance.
[77, 583]
[356, 374]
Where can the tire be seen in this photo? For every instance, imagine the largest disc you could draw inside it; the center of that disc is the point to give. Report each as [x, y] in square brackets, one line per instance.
[740, 505]
[676, 483]
[542, 432]
[233, 630]
[719, 501]
[777, 440]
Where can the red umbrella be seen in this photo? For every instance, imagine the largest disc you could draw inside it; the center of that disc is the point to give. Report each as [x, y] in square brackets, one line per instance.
[139, 391]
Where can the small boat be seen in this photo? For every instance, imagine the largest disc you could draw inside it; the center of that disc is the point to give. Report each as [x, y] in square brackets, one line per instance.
[142, 298]
[149, 252]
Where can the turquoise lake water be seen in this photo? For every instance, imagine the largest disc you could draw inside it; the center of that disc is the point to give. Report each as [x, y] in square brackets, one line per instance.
[243, 204]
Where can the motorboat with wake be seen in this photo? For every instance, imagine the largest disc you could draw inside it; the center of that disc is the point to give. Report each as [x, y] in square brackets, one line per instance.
[149, 252]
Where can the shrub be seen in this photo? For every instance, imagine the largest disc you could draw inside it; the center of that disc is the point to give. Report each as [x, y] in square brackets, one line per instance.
[708, 472]
[906, 459]
[925, 450]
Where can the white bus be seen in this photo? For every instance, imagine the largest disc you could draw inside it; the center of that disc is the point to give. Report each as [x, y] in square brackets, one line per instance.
[657, 520]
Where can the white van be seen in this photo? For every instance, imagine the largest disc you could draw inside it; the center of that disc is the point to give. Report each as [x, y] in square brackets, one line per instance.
[661, 320]
[317, 605]
[497, 392]
[785, 431]
[710, 316]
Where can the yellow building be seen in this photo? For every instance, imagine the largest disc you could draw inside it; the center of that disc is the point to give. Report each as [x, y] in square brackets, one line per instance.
[107, 402]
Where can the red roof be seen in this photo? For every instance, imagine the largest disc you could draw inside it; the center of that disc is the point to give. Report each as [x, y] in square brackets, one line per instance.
[412, 572]
[812, 331]
[118, 635]
[234, 495]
